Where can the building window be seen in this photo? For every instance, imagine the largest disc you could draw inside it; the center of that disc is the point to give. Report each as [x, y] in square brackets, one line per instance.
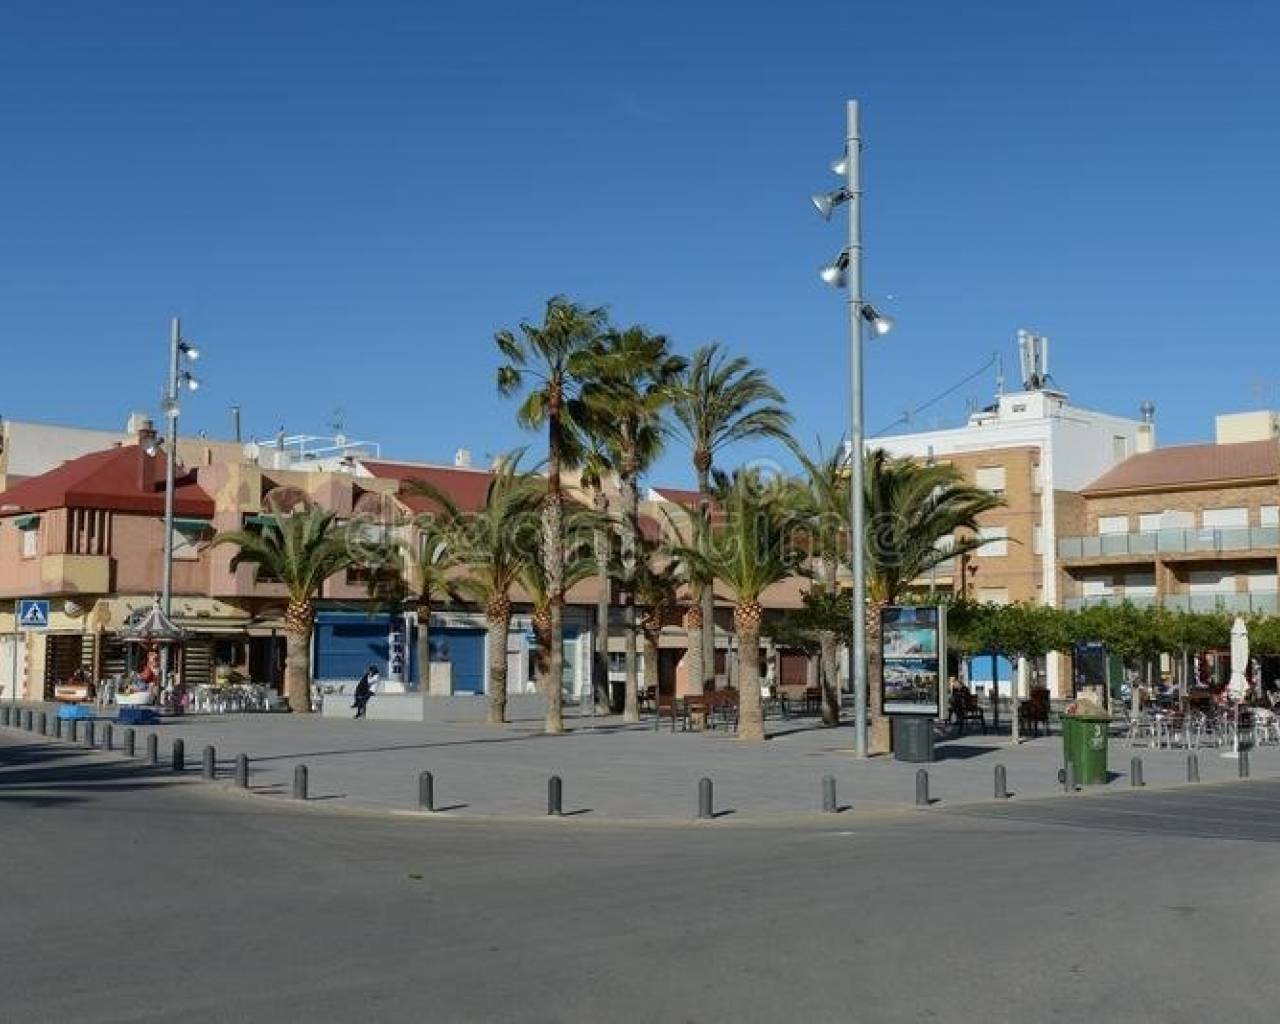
[996, 540]
[993, 595]
[1037, 478]
[1269, 515]
[1037, 539]
[31, 542]
[1113, 524]
[990, 478]
[1262, 581]
[186, 543]
[1096, 586]
[1140, 584]
[1214, 518]
[1212, 581]
[1149, 522]
[1119, 447]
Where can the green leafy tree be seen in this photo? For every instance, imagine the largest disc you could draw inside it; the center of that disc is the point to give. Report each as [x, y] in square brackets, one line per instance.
[300, 550]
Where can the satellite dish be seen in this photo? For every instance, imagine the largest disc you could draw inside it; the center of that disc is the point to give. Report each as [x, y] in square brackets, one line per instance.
[72, 609]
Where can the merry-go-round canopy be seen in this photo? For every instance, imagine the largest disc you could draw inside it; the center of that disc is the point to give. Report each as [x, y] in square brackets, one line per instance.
[153, 628]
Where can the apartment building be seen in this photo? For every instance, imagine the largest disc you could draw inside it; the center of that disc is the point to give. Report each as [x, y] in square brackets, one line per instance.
[1190, 527]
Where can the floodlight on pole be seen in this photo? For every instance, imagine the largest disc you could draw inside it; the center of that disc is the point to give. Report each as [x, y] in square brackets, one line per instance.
[826, 202]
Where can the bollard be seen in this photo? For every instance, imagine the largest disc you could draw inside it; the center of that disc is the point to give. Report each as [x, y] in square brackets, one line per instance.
[706, 803]
[300, 782]
[555, 795]
[1002, 783]
[1193, 768]
[26, 719]
[209, 764]
[42, 723]
[1135, 772]
[153, 749]
[57, 727]
[242, 771]
[922, 788]
[1242, 765]
[829, 794]
[89, 738]
[108, 737]
[426, 791]
[179, 756]
[4, 715]
[1069, 777]
[130, 743]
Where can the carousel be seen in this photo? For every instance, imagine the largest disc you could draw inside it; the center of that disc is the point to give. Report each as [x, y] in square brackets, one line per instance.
[154, 644]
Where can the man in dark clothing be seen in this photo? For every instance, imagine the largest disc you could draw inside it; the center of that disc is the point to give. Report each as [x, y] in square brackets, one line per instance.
[364, 690]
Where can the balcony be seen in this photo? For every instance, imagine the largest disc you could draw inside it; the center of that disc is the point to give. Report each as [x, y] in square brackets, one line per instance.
[1075, 604]
[75, 574]
[1210, 540]
[1260, 603]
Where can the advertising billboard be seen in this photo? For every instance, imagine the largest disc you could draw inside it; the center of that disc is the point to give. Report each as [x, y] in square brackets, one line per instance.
[913, 651]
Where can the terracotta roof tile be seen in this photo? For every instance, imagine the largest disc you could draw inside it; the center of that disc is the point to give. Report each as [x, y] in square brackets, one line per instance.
[467, 487]
[1192, 464]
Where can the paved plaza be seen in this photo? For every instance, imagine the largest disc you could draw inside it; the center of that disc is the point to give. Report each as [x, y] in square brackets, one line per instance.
[614, 771]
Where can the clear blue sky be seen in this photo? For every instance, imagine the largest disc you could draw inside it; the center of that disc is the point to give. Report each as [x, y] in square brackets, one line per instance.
[344, 200]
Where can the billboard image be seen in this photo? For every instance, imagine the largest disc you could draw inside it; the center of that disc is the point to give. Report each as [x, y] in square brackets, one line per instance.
[912, 651]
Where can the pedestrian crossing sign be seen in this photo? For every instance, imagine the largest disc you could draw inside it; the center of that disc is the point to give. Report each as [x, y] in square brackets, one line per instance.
[33, 614]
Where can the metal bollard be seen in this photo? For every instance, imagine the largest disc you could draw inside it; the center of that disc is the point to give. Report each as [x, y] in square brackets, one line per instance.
[1242, 765]
[179, 756]
[4, 715]
[153, 749]
[426, 791]
[1001, 783]
[42, 722]
[1135, 772]
[1069, 777]
[26, 719]
[89, 739]
[829, 794]
[922, 788]
[242, 771]
[706, 801]
[555, 795]
[1193, 768]
[300, 782]
[130, 743]
[57, 727]
[108, 737]
[209, 764]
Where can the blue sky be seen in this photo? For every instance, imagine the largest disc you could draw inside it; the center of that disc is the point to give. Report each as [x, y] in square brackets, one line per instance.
[344, 200]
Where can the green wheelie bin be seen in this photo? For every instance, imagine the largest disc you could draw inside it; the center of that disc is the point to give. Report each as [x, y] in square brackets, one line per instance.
[1084, 743]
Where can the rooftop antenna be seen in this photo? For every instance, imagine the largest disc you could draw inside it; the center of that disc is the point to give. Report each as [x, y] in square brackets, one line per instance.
[999, 375]
[235, 422]
[1033, 354]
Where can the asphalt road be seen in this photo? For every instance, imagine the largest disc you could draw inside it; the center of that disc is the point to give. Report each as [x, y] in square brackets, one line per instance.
[128, 897]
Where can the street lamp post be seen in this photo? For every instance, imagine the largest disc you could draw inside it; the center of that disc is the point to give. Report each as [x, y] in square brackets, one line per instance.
[846, 271]
[179, 377]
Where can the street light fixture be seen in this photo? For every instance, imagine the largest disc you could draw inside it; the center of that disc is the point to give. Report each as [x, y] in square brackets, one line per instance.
[845, 271]
[179, 377]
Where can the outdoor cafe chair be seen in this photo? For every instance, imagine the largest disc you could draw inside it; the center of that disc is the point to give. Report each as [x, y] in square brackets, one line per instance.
[1142, 730]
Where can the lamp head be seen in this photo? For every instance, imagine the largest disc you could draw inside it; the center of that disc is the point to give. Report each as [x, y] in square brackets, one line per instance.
[880, 324]
[190, 351]
[840, 166]
[192, 382]
[825, 202]
[835, 273]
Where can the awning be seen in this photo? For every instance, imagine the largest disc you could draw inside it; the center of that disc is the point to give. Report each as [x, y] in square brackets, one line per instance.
[263, 520]
[193, 525]
[26, 522]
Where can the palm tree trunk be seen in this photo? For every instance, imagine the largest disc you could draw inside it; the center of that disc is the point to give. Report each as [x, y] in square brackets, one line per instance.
[630, 530]
[693, 646]
[651, 659]
[746, 621]
[828, 647]
[498, 621]
[707, 598]
[553, 553]
[877, 723]
[554, 722]
[424, 646]
[298, 619]
[600, 662]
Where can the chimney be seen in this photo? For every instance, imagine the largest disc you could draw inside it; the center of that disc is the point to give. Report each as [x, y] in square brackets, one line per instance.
[149, 453]
[462, 458]
[1146, 440]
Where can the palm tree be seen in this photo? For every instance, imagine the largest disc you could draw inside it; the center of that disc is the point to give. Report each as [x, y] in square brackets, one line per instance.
[579, 565]
[718, 401]
[434, 566]
[633, 378]
[301, 550]
[656, 586]
[690, 530]
[595, 468]
[491, 548]
[917, 516]
[557, 355]
[750, 549]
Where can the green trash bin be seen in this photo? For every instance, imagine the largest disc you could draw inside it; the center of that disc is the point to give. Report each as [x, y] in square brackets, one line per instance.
[1084, 746]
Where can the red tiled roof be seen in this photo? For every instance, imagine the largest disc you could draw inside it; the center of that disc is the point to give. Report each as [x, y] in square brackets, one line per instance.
[107, 480]
[467, 487]
[1190, 465]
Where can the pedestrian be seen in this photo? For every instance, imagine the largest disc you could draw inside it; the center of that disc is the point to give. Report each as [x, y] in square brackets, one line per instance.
[364, 690]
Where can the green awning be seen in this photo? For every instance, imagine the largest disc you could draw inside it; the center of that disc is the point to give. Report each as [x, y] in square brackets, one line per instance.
[27, 522]
[267, 520]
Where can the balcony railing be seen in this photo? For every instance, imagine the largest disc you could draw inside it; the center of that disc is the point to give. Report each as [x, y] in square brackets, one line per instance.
[1259, 603]
[1180, 541]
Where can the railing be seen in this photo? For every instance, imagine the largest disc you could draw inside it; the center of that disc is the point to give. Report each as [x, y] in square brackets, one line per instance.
[1209, 539]
[1260, 603]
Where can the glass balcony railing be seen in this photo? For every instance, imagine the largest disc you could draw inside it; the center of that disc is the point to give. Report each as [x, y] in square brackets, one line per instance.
[1075, 604]
[1256, 603]
[1180, 541]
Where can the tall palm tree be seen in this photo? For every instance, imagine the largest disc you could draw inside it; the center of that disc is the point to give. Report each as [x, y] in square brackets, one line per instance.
[690, 530]
[595, 469]
[656, 586]
[751, 548]
[556, 356]
[301, 550]
[579, 565]
[917, 516]
[721, 400]
[434, 565]
[491, 548]
[633, 378]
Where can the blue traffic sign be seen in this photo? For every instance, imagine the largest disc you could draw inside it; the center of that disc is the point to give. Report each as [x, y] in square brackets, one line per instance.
[33, 614]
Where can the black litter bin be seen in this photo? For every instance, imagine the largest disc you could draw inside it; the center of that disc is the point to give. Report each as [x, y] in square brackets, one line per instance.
[913, 738]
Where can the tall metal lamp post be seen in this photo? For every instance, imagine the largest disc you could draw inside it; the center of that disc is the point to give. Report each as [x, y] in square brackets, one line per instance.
[846, 272]
[181, 352]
